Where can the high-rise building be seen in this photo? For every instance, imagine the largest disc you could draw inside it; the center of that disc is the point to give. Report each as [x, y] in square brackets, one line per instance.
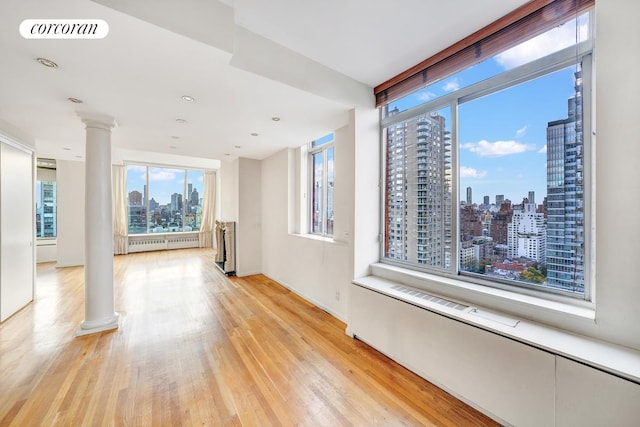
[176, 202]
[469, 196]
[565, 197]
[418, 196]
[500, 224]
[470, 223]
[499, 199]
[527, 233]
[194, 197]
[532, 197]
[486, 201]
[135, 198]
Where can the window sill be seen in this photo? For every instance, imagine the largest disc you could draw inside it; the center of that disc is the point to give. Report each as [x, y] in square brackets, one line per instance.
[500, 299]
[614, 359]
[318, 238]
[46, 241]
[164, 233]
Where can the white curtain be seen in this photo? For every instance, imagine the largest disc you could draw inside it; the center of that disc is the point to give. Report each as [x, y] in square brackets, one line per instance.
[120, 226]
[207, 220]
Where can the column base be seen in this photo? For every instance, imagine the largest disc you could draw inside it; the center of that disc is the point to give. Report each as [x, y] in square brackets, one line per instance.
[92, 327]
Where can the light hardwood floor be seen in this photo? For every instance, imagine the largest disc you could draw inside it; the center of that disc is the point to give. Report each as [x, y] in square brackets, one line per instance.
[197, 348]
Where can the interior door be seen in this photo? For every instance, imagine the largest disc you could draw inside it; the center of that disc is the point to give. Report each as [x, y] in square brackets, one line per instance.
[16, 230]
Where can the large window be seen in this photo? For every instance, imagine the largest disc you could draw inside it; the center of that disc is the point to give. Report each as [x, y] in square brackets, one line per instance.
[485, 175]
[46, 195]
[163, 199]
[321, 174]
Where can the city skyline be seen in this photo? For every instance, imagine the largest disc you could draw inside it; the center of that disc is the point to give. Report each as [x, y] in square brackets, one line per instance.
[167, 181]
[166, 200]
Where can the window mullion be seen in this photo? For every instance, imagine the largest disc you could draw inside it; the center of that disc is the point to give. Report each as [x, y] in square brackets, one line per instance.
[588, 178]
[311, 192]
[147, 198]
[455, 190]
[184, 197]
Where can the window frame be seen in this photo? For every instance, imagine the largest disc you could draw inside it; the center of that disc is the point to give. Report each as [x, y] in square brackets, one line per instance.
[312, 150]
[46, 164]
[146, 201]
[581, 52]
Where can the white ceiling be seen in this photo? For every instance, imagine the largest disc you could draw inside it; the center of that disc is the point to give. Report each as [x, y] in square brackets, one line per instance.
[307, 62]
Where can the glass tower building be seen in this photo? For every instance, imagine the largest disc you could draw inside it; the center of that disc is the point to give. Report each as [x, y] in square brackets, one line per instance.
[418, 194]
[565, 197]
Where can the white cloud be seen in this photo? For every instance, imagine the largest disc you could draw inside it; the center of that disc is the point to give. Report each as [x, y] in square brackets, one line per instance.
[162, 175]
[466, 172]
[542, 45]
[451, 85]
[521, 132]
[543, 150]
[496, 149]
[425, 96]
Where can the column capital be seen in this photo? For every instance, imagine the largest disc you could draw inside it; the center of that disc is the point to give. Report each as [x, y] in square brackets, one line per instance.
[97, 121]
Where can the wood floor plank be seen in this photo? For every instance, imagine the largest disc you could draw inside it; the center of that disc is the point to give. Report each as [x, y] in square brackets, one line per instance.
[195, 347]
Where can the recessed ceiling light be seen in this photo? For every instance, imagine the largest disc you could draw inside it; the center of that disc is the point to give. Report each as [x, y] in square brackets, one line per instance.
[254, 134]
[75, 100]
[227, 154]
[66, 148]
[238, 146]
[173, 147]
[275, 119]
[188, 98]
[181, 121]
[78, 157]
[47, 62]
[175, 137]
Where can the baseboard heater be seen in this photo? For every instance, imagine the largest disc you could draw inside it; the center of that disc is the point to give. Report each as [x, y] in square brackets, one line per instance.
[163, 242]
[225, 234]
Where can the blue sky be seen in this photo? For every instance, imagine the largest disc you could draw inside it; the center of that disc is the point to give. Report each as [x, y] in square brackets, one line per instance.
[163, 182]
[502, 137]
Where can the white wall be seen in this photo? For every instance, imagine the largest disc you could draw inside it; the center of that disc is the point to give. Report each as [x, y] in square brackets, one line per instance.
[228, 177]
[366, 188]
[240, 201]
[70, 178]
[321, 269]
[618, 176]
[249, 227]
[46, 251]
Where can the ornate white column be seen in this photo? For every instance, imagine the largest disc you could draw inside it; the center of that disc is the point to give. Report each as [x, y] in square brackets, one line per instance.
[99, 314]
